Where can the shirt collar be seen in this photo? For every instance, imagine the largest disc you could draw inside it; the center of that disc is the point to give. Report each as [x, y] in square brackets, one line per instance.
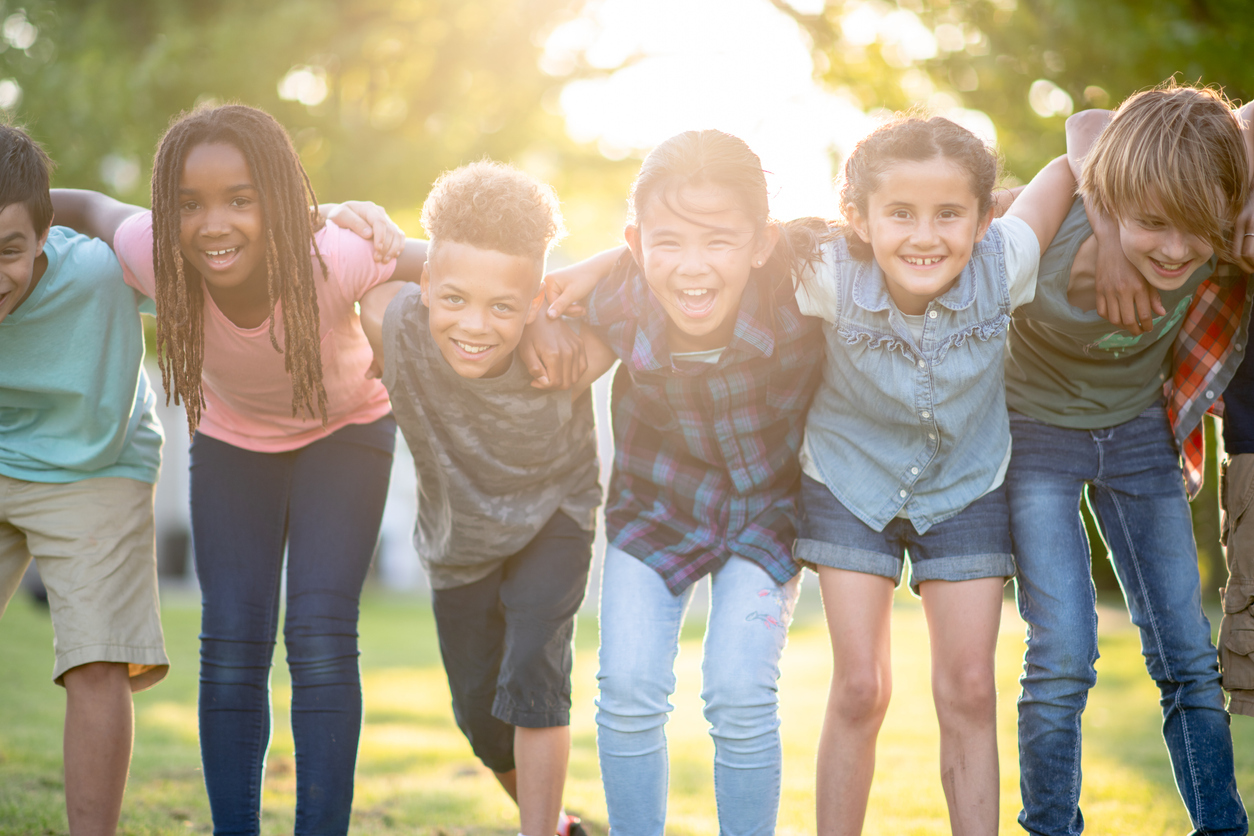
[871, 293]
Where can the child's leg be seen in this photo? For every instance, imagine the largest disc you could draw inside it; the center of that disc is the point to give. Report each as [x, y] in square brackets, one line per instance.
[99, 729]
[95, 545]
[962, 619]
[1140, 503]
[858, 608]
[1236, 650]
[745, 636]
[239, 502]
[339, 487]
[541, 591]
[640, 622]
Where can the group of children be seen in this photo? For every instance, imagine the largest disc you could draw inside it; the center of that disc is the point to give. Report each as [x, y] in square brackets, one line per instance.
[927, 377]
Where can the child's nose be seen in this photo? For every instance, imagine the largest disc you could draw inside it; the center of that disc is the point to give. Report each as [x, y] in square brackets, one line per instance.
[924, 232]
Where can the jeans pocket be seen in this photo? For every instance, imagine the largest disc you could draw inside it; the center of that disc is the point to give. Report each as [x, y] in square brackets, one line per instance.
[1236, 638]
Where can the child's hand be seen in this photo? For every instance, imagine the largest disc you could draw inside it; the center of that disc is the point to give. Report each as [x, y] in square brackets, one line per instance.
[553, 353]
[370, 221]
[566, 288]
[1123, 296]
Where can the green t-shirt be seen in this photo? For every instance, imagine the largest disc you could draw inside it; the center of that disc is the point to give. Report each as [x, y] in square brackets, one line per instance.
[1072, 368]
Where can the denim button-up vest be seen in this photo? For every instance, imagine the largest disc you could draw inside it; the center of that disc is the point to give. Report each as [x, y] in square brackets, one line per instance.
[903, 425]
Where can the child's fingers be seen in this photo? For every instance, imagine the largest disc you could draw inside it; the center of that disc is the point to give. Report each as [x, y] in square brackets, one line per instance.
[564, 301]
[527, 352]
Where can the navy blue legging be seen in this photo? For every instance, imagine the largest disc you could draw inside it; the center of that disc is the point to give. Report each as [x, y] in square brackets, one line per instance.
[325, 502]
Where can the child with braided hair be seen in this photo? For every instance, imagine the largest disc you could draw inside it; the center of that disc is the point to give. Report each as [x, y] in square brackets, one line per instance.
[291, 442]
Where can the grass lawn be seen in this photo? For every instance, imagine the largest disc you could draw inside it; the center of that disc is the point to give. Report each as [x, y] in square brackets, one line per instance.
[416, 774]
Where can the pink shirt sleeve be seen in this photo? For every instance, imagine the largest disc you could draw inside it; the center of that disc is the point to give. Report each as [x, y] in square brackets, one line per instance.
[132, 242]
[350, 258]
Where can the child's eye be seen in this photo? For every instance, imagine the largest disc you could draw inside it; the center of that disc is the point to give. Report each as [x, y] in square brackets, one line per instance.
[453, 300]
[189, 206]
[503, 307]
[241, 202]
[900, 214]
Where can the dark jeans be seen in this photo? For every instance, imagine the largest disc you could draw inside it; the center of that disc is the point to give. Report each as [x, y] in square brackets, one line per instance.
[506, 640]
[324, 501]
[1131, 476]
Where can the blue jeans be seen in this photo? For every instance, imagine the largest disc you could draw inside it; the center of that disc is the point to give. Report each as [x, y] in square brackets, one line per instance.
[324, 501]
[1131, 476]
[744, 637]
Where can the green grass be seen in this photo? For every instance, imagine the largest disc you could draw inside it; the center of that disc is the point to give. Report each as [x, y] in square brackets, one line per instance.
[416, 773]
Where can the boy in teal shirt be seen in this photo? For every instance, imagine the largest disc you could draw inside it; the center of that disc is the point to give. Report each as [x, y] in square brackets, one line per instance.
[80, 447]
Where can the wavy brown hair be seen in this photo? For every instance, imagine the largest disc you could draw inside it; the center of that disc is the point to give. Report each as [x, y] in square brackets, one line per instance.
[286, 197]
[914, 139]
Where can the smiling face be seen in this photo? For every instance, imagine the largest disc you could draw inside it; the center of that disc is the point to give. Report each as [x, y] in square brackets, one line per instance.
[479, 302]
[922, 223]
[22, 261]
[1163, 253]
[221, 227]
[697, 249]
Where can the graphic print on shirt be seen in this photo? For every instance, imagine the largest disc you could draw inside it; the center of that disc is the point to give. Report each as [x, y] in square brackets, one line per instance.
[1118, 342]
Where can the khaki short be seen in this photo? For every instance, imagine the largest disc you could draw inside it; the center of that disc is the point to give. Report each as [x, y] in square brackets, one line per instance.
[95, 546]
[1236, 631]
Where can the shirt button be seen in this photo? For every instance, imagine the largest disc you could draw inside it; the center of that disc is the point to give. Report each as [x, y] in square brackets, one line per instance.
[1237, 346]
[931, 436]
[922, 364]
[925, 414]
[915, 471]
[901, 494]
[1210, 393]
[931, 314]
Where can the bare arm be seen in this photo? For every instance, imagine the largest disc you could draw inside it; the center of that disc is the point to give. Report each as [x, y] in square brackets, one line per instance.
[567, 287]
[1123, 296]
[1045, 201]
[91, 213]
[1243, 233]
[1083, 128]
[373, 306]
[410, 260]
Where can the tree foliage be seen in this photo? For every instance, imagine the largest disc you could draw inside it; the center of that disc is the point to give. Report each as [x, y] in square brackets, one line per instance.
[381, 95]
[989, 54]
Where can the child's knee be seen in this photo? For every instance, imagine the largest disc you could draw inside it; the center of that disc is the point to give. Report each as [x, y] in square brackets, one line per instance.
[967, 691]
[860, 694]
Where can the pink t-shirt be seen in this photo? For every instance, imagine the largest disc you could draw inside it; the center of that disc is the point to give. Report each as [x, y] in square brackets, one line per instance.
[248, 393]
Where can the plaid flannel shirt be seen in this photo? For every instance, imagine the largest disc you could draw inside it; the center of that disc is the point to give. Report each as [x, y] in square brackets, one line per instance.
[1207, 350]
[705, 455]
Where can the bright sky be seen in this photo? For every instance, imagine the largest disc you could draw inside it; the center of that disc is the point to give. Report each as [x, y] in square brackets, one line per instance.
[737, 65]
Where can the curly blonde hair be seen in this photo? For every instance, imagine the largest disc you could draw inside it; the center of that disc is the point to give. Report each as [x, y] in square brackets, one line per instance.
[493, 206]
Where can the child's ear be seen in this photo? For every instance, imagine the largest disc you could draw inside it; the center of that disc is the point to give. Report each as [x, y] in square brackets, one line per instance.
[43, 239]
[631, 233]
[424, 283]
[765, 243]
[857, 222]
[985, 222]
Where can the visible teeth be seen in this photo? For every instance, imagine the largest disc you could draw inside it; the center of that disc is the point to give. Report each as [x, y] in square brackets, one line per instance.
[472, 349]
[923, 262]
[215, 253]
[699, 292]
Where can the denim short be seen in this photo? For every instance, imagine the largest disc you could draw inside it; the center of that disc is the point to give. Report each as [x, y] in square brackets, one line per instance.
[974, 543]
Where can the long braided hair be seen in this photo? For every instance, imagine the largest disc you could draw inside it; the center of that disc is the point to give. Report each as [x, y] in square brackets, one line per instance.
[290, 215]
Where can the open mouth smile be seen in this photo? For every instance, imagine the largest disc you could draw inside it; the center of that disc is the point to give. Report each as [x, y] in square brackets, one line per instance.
[1170, 269]
[221, 258]
[922, 260]
[697, 302]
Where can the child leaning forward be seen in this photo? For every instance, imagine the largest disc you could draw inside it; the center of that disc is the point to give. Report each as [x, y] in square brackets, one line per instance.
[507, 475]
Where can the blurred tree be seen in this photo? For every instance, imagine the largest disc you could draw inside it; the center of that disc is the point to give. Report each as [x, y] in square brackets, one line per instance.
[1026, 63]
[379, 95]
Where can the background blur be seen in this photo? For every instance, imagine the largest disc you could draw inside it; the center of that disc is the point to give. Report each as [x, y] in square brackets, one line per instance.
[382, 95]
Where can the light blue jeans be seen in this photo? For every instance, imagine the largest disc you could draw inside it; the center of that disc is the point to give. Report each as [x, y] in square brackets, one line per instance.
[744, 637]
